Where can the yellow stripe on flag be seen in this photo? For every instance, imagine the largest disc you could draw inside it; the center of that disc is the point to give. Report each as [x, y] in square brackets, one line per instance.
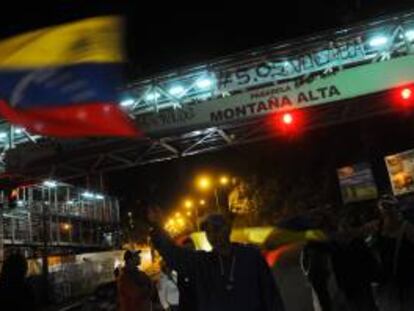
[93, 40]
[269, 237]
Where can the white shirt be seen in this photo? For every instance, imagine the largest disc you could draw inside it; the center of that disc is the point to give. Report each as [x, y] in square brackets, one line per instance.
[168, 290]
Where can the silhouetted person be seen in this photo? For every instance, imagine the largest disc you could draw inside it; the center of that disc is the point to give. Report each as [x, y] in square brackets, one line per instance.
[168, 288]
[354, 267]
[15, 293]
[315, 261]
[135, 289]
[231, 277]
[186, 286]
[394, 242]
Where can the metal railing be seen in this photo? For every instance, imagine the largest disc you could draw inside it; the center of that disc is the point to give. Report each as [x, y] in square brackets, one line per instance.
[297, 59]
[73, 216]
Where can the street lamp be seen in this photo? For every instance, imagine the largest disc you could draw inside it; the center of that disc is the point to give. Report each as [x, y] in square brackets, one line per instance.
[170, 223]
[66, 227]
[203, 183]
[181, 221]
[188, 204]
[50, 183]
[224, 180]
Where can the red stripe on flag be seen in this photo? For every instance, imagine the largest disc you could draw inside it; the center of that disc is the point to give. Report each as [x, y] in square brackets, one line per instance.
[272, 257]
[83, 120]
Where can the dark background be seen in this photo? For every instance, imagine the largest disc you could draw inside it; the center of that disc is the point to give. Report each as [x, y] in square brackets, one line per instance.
[164, 35]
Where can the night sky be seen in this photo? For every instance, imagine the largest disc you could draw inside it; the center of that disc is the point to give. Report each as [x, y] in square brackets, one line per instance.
[163, 37]
[160, 38]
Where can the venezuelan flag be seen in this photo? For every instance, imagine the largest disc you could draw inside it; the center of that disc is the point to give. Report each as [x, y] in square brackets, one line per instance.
[63, 80]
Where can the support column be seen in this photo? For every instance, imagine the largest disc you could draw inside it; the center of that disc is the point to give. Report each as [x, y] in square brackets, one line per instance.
[13, 229]
[57, 213]
[29, 224]
[1, 236]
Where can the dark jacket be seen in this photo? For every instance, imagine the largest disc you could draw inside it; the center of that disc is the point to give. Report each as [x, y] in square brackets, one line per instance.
[186, 288]
[135, 291]
[253, 288]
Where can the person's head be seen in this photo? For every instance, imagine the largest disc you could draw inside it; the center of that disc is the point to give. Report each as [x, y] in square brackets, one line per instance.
[388, 207]
[132, 258]
[14, 268]
[218, 231]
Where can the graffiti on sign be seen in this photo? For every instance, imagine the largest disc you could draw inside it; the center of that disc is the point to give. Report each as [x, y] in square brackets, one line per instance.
[336, 54]
[316, 90]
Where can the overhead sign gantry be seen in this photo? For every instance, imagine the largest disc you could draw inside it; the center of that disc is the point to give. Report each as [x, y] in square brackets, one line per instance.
[225, 102]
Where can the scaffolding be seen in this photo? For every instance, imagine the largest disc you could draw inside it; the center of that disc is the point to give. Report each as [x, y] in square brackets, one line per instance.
[61, 217]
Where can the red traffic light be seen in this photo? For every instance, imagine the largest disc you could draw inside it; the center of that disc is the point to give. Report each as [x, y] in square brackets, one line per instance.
[404, 97]
[406, 93]
[287, 118]
[288, 122]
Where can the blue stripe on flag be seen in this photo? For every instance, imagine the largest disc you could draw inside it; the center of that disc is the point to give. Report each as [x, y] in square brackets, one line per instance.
[61, 86]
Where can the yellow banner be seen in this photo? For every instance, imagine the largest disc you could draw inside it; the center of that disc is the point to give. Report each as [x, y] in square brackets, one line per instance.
[93, 40]
[268, 237]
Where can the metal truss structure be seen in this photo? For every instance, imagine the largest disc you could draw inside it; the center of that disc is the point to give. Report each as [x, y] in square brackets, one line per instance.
[59, 215]
[294, 61]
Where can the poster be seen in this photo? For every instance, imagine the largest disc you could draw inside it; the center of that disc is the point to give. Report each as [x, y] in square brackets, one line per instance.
[241, 200]
[401, 172]
[357, 183]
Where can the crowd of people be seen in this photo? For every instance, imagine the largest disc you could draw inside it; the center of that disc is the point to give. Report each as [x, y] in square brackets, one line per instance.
[231, 277]
[363, 267]
[359, 266]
